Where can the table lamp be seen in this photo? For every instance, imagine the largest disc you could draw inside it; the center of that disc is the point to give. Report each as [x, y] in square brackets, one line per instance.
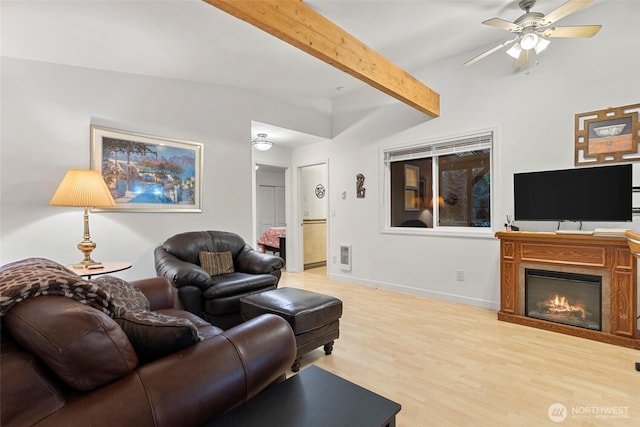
[86, 189]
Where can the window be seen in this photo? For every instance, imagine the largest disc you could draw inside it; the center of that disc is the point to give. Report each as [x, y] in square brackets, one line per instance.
[441, 184]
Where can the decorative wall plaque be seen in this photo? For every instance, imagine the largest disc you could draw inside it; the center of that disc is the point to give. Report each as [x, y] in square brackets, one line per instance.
[607, 136]
[360, 190]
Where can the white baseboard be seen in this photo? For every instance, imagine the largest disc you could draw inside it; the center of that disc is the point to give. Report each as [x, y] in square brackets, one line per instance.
[476, 302]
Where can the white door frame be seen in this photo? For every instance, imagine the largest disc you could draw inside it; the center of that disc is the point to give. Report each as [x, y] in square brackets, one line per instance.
[297, 261]
[287, 201]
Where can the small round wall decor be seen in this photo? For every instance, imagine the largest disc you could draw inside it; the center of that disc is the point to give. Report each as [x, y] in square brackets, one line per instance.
[319, 191]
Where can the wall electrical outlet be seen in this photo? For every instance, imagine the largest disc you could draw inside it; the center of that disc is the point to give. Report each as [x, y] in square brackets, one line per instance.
[460, 275]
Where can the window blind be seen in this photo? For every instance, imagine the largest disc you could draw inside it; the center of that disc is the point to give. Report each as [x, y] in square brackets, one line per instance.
[440, 148]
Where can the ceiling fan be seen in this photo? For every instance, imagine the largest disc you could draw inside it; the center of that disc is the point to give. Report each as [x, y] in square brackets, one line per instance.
[533, 30]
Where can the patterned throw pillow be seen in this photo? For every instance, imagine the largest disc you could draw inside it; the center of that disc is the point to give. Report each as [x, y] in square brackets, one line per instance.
[124, 296]
[152, 335]
[216, 263]
[155, 335]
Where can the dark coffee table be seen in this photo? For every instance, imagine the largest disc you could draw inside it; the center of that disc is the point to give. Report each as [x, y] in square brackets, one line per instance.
[313, 398]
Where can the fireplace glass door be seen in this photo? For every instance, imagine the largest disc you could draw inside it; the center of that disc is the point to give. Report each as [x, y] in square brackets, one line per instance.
[571, 299]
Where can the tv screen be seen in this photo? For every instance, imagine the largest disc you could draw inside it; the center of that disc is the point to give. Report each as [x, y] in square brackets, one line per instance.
[600, 194]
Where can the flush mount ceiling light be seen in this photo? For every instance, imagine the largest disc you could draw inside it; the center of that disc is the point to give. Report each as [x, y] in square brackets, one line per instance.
[261, 143]
[533, 29]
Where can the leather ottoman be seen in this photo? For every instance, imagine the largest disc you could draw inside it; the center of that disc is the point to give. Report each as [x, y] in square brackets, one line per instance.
[313, 317]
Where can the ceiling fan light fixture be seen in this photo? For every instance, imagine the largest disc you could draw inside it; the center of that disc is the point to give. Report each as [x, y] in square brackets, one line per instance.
[514, 51]
[533, 29]
[542, 45]
[529, 41]
[261, 143]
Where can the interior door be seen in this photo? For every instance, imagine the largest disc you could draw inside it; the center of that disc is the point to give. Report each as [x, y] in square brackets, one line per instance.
[266, 209]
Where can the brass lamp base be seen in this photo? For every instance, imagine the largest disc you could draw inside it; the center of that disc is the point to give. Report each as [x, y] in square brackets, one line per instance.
[86, 247]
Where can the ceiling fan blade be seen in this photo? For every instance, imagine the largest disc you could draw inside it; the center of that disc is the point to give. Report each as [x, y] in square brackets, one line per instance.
[502, 24]
[487, 53]
[523, 59]
[566, 9]
[580, 31]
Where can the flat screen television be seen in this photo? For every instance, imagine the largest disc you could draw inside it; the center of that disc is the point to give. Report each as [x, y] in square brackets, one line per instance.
[598, 194]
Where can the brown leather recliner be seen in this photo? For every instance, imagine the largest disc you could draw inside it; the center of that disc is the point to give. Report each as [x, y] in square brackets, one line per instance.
[215, 298]
[104, 384]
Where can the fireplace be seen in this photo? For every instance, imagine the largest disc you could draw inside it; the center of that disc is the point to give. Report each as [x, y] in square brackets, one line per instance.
[606, 257]
[567, 298]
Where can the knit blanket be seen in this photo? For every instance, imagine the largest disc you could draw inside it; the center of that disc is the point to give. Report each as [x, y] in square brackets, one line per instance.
[33, 277]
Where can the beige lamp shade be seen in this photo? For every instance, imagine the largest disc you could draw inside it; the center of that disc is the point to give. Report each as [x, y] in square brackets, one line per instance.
[86, 189]
[83, 188]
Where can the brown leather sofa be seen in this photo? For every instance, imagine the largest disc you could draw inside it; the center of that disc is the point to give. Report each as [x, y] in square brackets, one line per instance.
[215, 298]
[92, 375]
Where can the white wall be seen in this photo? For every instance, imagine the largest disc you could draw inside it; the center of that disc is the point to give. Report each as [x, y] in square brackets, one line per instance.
[278, 155]
[272, 178]
[533, 114]
[312, 206]
[46, 113]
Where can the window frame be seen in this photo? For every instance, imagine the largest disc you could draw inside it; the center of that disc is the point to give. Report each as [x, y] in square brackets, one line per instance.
[437, 144]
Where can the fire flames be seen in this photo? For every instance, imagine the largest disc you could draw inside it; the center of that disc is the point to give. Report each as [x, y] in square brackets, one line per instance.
[560, 306]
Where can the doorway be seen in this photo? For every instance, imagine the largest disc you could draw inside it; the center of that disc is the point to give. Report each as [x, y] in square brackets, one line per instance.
[283, 156]
[313, 196]
[271, 222]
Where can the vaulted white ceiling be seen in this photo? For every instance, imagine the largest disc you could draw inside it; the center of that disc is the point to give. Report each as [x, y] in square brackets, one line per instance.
[193, 41]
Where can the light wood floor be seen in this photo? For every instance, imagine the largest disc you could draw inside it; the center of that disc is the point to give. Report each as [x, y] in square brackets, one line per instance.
[449, 364]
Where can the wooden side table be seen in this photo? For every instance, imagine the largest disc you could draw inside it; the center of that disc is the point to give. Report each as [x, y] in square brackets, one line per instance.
[106, 268]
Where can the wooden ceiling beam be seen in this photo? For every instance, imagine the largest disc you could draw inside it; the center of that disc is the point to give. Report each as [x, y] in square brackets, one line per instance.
[297, 24]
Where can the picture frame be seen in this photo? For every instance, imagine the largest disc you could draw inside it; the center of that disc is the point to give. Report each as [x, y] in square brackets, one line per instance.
[148, 173]
[607, 136]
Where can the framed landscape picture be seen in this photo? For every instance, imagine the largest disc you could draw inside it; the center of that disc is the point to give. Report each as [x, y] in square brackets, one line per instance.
[148, 173]
[607, 136]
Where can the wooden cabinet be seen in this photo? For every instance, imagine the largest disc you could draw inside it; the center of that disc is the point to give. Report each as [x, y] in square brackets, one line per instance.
[608, 257]
[315, 242]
